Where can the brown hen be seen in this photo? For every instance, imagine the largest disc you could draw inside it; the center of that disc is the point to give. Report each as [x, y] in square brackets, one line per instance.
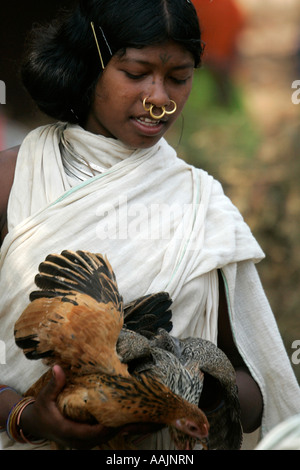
[75, 320]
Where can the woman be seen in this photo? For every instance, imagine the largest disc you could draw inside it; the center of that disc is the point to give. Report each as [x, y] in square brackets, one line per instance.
[117, 75]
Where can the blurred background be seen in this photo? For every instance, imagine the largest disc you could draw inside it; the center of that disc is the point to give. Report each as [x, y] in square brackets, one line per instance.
[240, 124]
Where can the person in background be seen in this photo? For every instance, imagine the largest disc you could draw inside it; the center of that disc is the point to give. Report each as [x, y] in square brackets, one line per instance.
[221, 22]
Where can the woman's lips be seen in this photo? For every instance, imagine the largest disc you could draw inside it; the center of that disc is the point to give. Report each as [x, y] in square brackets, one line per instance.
[148, 121]
[149, 126]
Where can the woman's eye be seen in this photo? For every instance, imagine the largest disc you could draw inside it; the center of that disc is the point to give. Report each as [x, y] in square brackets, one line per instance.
[179, 81]
[134, 76]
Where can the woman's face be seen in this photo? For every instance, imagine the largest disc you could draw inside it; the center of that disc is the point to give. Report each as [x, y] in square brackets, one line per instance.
[158, 73]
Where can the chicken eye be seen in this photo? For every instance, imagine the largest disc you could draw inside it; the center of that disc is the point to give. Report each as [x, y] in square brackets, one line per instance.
[193, 428]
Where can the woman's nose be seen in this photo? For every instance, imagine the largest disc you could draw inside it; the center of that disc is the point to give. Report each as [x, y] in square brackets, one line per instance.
[158, 95]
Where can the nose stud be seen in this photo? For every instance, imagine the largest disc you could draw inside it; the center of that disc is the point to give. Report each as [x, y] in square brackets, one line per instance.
[150, 107]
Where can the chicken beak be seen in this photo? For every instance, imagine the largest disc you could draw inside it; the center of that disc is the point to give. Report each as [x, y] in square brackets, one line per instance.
[187, 446]
[205, 443]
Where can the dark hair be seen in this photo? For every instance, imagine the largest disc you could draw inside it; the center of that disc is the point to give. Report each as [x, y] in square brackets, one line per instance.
[62, 65]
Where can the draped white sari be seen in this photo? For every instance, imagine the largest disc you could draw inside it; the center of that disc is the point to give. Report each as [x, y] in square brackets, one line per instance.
[163, 224]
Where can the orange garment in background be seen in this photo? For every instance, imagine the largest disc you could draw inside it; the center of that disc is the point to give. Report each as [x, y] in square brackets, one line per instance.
[221, 22]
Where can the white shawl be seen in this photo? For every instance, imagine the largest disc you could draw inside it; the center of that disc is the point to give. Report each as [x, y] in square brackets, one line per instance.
[163, 224]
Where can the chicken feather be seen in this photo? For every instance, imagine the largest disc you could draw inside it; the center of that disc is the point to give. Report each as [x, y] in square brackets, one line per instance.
[64, 328]
[66, 331]
[87, 273]
[147, 314]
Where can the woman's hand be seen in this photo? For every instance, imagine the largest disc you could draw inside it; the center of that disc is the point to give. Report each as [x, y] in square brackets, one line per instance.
[43, 420]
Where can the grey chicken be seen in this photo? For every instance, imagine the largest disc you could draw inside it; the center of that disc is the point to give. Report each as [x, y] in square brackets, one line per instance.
[185, 366]
[203, 358]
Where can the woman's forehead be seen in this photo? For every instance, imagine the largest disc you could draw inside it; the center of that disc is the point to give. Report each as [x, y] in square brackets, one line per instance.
[166, 53]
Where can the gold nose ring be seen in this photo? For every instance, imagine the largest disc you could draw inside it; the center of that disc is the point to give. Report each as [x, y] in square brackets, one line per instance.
[157, 116]
[164, 111]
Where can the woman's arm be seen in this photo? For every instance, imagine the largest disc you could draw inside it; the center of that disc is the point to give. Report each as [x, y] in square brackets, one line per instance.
[249, 393]
[42, 419]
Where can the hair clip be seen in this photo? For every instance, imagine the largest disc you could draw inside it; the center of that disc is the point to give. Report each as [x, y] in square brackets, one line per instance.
[104, 37]
[97, 43]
